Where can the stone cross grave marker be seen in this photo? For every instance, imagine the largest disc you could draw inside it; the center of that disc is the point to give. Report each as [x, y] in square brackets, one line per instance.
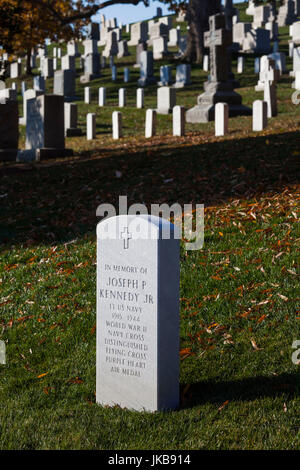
[218, 41]
[220, 85]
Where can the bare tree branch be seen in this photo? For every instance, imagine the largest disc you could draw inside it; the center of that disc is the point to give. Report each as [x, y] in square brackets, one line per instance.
[88, 13]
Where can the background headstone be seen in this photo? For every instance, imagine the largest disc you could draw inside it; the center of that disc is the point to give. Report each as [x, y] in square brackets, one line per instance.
[9, 130]
[218, 88]
[91, 126]
[140, 98]
[116, 125]
[178, 121]
[45, 129]
[146, 69]
[166, 100]
[122, 97]
[165, 75]
[260, 116]
[183, 75]
[102, 96]
[28, 95]
[64, 84]
[71, 117]
[221, 119]
[150, 125]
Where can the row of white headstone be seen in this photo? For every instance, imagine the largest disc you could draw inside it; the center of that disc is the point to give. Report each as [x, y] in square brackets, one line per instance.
[259, 117]
[122, 97]
[150, 124]
[262, 110]
[166, 98]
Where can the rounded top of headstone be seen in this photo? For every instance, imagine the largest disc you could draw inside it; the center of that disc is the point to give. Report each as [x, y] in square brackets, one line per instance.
[146, 227]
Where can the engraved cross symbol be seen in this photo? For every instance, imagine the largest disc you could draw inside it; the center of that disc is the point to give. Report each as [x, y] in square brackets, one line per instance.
[126, 237]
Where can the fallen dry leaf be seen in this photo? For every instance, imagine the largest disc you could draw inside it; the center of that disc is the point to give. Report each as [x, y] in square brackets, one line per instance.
[254, 345]
[42, 375]
[223, 406]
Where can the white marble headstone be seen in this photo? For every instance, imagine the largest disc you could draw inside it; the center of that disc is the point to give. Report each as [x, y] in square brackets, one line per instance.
[122, 97]
[91, 126]
[150, 124]
[2, 353]
[102, 96]
[116, 125]
[260, 115]
[140, 98]
[137, 313]
[221, 119]
[178, 121]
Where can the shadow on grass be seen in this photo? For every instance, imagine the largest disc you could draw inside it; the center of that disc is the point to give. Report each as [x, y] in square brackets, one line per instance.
[248, 389]
[56, 201]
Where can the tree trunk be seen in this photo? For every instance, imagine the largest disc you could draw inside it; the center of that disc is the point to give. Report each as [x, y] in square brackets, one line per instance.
[28, 62]
[198, 13]
[274, 7]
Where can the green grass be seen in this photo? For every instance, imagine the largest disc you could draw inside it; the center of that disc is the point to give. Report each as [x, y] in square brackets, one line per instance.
[239, 295]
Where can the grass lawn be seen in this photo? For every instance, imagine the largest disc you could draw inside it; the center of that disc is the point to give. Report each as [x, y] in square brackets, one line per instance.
[240, 296]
